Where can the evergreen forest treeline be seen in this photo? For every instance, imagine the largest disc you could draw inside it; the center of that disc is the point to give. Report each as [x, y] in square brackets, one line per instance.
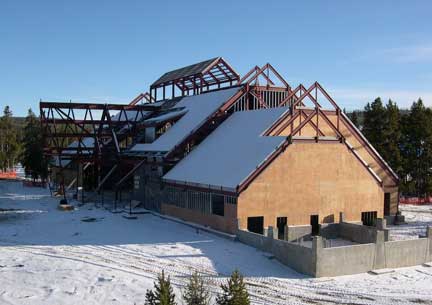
[403, 138]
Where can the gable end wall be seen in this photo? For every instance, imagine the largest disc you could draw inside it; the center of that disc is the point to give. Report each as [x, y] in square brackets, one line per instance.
[308, 179]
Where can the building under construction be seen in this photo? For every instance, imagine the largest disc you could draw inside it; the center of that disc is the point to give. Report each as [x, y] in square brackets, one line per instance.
[226, 151]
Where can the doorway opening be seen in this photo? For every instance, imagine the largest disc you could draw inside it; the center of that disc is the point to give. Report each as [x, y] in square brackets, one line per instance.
[314, 221]
[386, 204]
[256, 224]
[281, 223]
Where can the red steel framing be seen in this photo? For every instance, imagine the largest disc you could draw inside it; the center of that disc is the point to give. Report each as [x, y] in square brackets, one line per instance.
[61, 123]
[212, 76]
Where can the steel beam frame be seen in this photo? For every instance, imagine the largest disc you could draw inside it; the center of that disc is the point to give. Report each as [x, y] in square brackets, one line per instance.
[216, 75]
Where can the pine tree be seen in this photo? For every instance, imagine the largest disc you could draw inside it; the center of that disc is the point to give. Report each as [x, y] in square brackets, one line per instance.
[9, 146]
[354, 119]
[34, 162]
[417, 150]
[392, 137]
[163, 292]
[234, 293]
[195, 292]
[373, 125]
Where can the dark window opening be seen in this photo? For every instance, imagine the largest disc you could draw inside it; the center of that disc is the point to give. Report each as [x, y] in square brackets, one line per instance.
[386, 204]
[329, 218]
[281, 224]
[314, 221]
[256, 224]
[369, 218]
[218, 204]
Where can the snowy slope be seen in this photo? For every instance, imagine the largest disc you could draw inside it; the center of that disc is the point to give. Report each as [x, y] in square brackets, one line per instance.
[51, 257]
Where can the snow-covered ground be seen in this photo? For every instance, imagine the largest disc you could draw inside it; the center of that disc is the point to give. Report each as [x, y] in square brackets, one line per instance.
[52, 257]
[417, 218]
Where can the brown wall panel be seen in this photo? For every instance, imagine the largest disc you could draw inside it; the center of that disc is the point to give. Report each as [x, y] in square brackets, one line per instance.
[311, 178]
[308, 130]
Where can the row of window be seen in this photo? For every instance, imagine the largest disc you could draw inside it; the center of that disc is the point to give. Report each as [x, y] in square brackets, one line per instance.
[204, 202]
[369, 218]
[256, 224]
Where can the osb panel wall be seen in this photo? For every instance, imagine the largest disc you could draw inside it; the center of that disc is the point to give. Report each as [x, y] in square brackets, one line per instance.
[226, 223]
[389, 184]
[308, 130]
[309, 179]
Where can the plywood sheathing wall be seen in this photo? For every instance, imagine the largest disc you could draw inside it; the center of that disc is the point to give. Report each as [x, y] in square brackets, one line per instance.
[308, 179]
[388, 182]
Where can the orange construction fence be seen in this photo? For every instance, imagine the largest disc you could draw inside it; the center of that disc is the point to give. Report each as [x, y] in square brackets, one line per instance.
[8, 175]
[415, 200]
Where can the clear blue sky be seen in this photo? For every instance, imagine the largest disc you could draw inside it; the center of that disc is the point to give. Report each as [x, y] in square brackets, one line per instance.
[109, 51]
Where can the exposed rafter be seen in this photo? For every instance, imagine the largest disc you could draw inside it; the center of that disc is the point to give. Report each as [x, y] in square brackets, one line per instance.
[203, 76]
[252, 77]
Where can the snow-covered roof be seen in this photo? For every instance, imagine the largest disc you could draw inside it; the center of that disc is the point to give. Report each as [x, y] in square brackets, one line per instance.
[130, 115]
[184, 71]
[87, 142]
[165, 117]
[55, 161]
[199, 108]
[231, 153]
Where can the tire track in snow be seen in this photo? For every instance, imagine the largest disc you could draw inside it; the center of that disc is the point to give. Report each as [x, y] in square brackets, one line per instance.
[262, 289]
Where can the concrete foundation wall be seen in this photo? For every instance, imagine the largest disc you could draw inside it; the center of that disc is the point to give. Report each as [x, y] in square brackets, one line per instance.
[253, 239]
[295, 256]
[406, 253]
[319, 261]
[345, 260]
[296, 232]
[329, 230]
[395, 219]
[363, 258]
[357, 233]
